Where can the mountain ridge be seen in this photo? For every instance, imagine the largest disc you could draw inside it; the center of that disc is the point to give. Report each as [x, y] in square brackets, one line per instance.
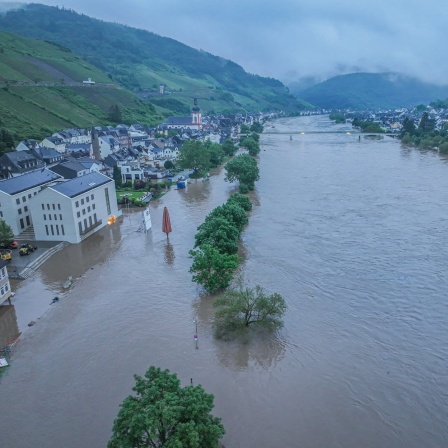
[363, 91]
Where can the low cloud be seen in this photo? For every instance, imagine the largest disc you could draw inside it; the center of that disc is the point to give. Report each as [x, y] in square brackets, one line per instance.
[291, 40]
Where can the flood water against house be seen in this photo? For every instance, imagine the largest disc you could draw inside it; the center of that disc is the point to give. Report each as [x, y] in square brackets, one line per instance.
[352, 233]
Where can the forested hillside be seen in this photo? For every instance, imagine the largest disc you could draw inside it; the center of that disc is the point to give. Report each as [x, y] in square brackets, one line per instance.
[42, 92]
[141, 61]
[362, 91]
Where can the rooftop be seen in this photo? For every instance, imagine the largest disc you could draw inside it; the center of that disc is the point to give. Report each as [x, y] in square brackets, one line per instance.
[80, 185]
[26, 181]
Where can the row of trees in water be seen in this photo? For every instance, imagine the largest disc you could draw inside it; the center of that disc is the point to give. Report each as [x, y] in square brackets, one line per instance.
[161, 413]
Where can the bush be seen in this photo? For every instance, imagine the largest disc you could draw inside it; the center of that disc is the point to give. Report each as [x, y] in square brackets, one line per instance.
[243, 188]
[241, 200]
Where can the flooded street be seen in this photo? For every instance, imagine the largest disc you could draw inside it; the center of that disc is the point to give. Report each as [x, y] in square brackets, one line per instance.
[353, 235]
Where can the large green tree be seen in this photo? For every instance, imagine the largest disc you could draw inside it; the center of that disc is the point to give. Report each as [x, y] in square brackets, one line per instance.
[251, 145]
[6, 233]
[244, 169]
[229, 148]
[242, 307]
[241, 200]
[211, 268]
[219, 233]
[164, 414]
[232, 212]
[194, 155]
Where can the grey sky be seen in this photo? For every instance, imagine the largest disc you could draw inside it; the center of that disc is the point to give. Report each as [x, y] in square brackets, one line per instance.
[293, 39]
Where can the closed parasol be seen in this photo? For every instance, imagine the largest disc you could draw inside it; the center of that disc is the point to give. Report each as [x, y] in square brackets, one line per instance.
[166, 223]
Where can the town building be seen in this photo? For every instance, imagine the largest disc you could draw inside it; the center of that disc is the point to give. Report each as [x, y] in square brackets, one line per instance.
[5, 287]
[73, 210]
[194, 121]
[16, 195]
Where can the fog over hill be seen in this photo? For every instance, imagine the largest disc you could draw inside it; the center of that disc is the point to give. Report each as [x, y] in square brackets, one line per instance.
[291, 40]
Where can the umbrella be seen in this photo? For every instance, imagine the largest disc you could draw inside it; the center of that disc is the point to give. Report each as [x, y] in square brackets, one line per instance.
[166, 223]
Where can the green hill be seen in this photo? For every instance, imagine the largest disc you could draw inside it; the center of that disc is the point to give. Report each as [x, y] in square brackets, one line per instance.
[141, 61]
[362, 91]
[42, 90]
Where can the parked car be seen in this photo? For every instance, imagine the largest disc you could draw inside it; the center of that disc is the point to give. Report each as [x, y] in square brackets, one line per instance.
[26, 249]
[5, 254]
[10, 245]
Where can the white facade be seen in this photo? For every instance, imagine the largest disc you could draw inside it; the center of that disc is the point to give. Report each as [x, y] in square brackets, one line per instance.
[5, 287]
[74, 210]
[107, 146]
[16, 195]
[58, 145]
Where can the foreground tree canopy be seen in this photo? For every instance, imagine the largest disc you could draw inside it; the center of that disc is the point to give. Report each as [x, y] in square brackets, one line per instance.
[242, 307]
[164, 414]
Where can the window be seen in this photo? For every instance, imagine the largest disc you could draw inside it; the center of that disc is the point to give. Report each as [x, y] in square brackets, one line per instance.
[87, 199]
[60, 217]
[43, 206]
[62, 229]
[85, 223]
[23, 198]
[91, 197]
[78, 214]
[29, 196]
[88, 209]
[35, 193]
[83, 211]
[77, 203]
[17, 201]
[82, 201]
[90, 220]
[45, 217]
[94, 217]
[52, 230]
[49, 217]
[57, 229]
[93, 206]
[80, 226]
[106, 192]
[25, 208]
[6, 287]
[55, 217]
[20, 211]
[54, 206]
[46, 229]
[48, 206]
[59, 206]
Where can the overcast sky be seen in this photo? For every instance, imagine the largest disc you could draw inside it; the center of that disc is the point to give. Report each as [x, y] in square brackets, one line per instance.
[293, 39]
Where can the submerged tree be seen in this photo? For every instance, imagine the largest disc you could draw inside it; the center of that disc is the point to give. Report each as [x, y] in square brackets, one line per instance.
[164, 414]
[243, 307]
[211, 268]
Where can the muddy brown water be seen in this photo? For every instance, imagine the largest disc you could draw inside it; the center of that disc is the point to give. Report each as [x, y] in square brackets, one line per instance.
[352, 233]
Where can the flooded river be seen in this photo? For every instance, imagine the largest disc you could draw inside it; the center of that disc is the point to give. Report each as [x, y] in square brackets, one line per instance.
[352, 233]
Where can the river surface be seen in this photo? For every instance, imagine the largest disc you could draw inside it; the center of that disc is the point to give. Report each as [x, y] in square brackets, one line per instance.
[353, 233]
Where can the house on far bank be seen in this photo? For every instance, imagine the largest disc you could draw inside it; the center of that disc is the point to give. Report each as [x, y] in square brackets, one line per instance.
[194, 121]
[16, 163]
[69, 169]
[73, 210]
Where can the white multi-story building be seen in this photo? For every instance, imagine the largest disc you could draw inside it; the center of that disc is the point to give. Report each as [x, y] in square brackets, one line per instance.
[5, 287]
[16, 195]
[73, 210]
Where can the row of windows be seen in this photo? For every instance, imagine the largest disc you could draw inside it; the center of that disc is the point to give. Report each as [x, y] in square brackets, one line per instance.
[78, 214]
[82, 200]
[52, 229]
[24, 198]
[3, 273]
[91, 222]
[48, 206]
[55, 217]
[25, 209]
[4, 289]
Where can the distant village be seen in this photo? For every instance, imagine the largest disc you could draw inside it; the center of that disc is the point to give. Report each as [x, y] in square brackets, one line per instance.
[392, 120]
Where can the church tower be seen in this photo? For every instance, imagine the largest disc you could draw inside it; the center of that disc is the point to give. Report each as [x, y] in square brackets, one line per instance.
[196, 116]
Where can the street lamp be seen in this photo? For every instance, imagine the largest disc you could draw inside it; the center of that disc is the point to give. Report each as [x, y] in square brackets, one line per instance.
[196, 333]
